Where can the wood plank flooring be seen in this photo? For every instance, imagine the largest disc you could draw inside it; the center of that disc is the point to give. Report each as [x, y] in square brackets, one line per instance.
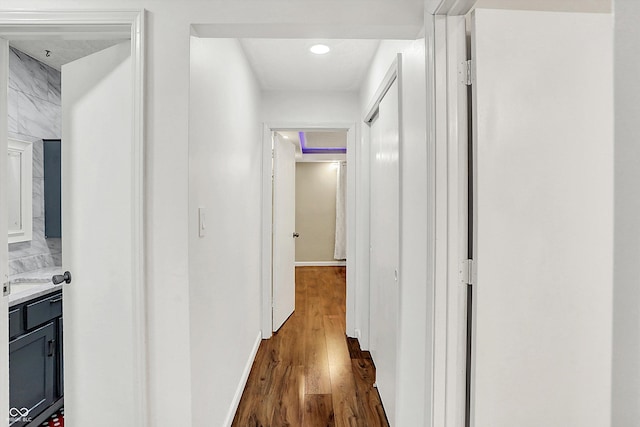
[309, 373]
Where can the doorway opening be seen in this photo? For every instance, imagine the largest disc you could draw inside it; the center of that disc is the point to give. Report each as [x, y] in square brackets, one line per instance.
[102, 53]
[294, 154]
[36, 378]
[321, 184]
[309, 208]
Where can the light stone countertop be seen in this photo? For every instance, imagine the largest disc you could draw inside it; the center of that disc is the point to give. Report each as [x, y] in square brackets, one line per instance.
[32, 284]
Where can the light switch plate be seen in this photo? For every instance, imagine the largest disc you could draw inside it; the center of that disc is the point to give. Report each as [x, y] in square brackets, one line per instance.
[201, 222]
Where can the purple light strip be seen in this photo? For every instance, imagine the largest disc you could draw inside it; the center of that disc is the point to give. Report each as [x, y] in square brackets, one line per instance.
[318, 150]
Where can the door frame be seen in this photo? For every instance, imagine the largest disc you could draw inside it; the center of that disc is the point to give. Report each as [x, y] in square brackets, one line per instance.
[452, 216]
[82, 25]
[267, 216]
[447, 115]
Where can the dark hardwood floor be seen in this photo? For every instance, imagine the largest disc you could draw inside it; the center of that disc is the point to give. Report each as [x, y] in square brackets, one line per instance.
[309, 374]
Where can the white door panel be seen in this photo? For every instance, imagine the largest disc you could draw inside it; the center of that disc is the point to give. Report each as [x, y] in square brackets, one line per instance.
[284, 223]
[385, 246]
[543, 147]
[97, 220]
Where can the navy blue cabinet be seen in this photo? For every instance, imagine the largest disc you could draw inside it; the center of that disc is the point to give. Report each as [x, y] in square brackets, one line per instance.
[35, 358]
[32, 371]
[52, 188]
[60, 361]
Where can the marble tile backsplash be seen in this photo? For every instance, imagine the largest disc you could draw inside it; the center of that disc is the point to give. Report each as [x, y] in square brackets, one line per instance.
[37, 116]
[34, 114]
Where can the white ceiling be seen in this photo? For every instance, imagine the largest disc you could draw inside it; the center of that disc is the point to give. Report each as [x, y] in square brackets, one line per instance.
[318, 139]
[287, 64]
[61, 51]
[279, 64]
[326, 139]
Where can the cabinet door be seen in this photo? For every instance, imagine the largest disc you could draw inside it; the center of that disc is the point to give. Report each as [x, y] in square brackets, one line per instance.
[52, 186]
[60, 362]
[32, 371]
[16, 326]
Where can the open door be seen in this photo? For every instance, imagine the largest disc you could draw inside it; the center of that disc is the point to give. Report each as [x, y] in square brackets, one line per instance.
[543, 151]
[98, 217]
[284, 224]
[385, 246]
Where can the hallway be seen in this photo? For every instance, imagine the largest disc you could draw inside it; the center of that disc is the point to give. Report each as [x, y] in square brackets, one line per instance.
[309, 374]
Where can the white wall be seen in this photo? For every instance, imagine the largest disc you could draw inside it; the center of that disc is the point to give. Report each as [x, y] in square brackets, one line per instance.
[224, 265]
[310, 107]
[413, 360]
[316, 186]
[626, 293]
[543, 205]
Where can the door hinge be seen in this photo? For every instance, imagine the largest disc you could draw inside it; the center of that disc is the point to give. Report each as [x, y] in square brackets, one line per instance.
[467, 271]
[466, 72]
[6, 289]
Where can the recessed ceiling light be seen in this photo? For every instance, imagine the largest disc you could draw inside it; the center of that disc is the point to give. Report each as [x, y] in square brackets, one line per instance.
[285, 136]
[320, 49]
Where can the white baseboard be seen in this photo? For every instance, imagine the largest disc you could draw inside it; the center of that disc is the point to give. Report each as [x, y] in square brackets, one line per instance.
[358, 334]
[243, 382]
[321, 263]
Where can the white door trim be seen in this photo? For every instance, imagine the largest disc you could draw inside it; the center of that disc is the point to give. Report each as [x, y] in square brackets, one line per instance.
[267, 217]
[448, 150]
[457, 211]
[16, 25]
[447, 222]
[4, 213]
[390, 76]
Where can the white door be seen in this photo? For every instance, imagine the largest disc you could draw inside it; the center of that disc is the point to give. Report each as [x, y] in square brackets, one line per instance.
[543, 147]
[385, 247]
[97, 220]
[284, 224]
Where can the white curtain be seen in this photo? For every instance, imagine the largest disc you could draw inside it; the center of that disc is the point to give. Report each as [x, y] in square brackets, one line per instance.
[340, 251]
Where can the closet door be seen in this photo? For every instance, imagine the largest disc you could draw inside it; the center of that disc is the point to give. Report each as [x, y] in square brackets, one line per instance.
[385, 246]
